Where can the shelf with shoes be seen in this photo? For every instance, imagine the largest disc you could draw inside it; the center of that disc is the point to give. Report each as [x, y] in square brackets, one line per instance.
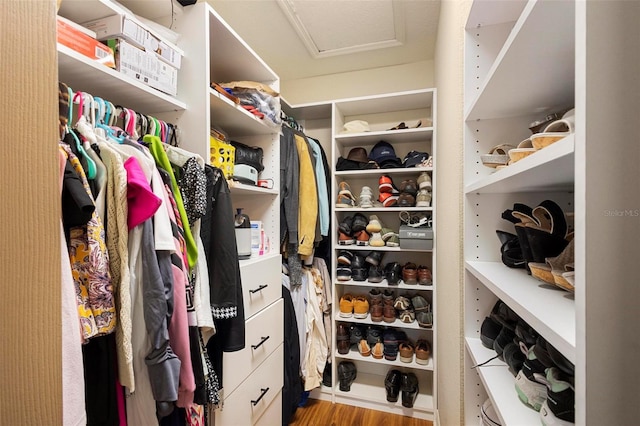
[356, 356]
[368, 391]
[396, 132]
[511, 179]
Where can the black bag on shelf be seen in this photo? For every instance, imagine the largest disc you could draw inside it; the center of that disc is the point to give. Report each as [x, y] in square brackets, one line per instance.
[251, 156]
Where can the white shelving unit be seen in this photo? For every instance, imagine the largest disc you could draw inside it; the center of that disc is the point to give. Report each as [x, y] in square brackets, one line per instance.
[384, 112]
[215, 53]
[520, 67]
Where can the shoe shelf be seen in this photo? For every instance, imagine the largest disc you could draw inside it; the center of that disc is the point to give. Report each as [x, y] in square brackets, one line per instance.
[370, 390]
[533, 66]
[500, 386]
[84, 74]
[397, 323]
[353, 247]
[549, 310]
[355, 356]
[383, 209]
[549, 169]
[383, 284]
[378, 172]
[235, 120]
[417, 135]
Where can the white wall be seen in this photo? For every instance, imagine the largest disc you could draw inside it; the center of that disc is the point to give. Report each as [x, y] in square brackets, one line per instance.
[449, 79]
[375, 81]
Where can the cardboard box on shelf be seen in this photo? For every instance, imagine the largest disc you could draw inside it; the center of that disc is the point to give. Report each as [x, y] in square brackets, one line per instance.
[144, 66]
[123, 27]
[78, 40]
[418, 238]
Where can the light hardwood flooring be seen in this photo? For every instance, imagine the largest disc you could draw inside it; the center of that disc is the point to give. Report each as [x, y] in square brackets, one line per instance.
[324, 413]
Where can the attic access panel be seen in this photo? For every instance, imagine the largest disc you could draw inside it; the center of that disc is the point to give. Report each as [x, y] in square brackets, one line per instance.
[330, 27]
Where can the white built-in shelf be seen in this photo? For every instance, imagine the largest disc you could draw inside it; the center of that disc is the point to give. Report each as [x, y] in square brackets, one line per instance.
[235, 120]
[549, 169]
[84, 74]
[364, 210]
[355, 355]
[378, 172]
[397, 323]
[421, 134]
[232, 59]
[401, 285]
[370, 388]
[500, 386]
[519, 83]
[80, 11]
[353, 247]
[242, 188]
[377, 104]
[307, 111]
[256, 259]
[492, 12]
[548, 309]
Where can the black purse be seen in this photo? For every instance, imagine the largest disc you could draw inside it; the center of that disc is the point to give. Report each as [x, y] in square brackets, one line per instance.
[251, 156]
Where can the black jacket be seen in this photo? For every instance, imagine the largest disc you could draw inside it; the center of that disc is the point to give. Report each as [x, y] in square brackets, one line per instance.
[292, 389]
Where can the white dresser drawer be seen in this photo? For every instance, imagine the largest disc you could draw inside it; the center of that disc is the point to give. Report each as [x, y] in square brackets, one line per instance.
[264, 333]
[261, 283]
[253, 397]
[273, 414]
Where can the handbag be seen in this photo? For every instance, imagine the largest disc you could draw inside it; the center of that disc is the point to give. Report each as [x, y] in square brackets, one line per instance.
[251, 156]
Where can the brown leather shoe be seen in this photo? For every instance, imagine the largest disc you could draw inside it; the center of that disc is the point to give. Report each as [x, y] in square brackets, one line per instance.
[423, 352]
[342, 337]
[424, 275]
[377, 312]
[410, 273]
[388, 313]
[406, 200]
[406, 352]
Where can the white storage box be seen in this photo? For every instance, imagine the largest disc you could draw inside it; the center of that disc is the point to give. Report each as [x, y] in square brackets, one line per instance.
[122, 27]
[144, 66]
[416, 238]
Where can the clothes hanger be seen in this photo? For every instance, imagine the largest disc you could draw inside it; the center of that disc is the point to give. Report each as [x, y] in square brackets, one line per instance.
[92, 168]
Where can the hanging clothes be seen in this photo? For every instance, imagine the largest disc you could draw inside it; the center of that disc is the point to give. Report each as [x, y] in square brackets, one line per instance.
[316, 339]
[292, 388]
[308, 199]
[321, 182]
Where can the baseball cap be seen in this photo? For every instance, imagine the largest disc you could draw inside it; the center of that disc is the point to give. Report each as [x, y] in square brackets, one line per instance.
[381, 152]
[414, 158]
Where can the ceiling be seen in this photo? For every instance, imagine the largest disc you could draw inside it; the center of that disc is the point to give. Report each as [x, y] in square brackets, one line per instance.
[308, 38]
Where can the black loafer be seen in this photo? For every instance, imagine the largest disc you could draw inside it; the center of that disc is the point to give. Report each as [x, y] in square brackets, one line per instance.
[393, 273]
[347, 375]
[392, 385]
[409, 388]
[374, 258]
[375, 274]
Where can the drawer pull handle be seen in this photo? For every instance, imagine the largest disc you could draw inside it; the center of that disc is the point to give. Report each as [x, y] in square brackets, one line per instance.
[264, 392]
[255, 290]
[264, 339]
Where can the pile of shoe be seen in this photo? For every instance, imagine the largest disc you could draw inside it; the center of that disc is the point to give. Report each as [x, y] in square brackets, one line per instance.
[388, 191]
[544, 378]
[385, 306]
[397, 382]
[543, 243]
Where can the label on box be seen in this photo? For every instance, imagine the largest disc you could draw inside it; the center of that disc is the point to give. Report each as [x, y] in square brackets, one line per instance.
[77, 40]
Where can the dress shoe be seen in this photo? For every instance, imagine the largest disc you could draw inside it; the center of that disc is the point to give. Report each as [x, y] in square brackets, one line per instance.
[375, 274]
[377, 312]
[388, 313]
[393, 273]
[346, 375]
[326, 375]
[343, 337]
[409, 388]
[424, 275]
[406, 200]
[359, 268]
[409, 186]
[392, 384]
[410, 273]
[423, 351]
[374, 258]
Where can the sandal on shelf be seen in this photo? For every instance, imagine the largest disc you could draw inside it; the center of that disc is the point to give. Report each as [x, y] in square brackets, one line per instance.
[403, 126]
[497, 156]
[568, 278]
[555, 131]
[551, 271]
[510, 250]
[520, 216]
[524, 149]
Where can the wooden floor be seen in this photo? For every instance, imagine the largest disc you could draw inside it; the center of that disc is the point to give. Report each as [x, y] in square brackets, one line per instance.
[324, 413]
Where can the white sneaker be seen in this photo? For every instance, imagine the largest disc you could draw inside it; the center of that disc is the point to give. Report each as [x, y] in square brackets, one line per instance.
[424, 181]
[423, 199]
[364, 200]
